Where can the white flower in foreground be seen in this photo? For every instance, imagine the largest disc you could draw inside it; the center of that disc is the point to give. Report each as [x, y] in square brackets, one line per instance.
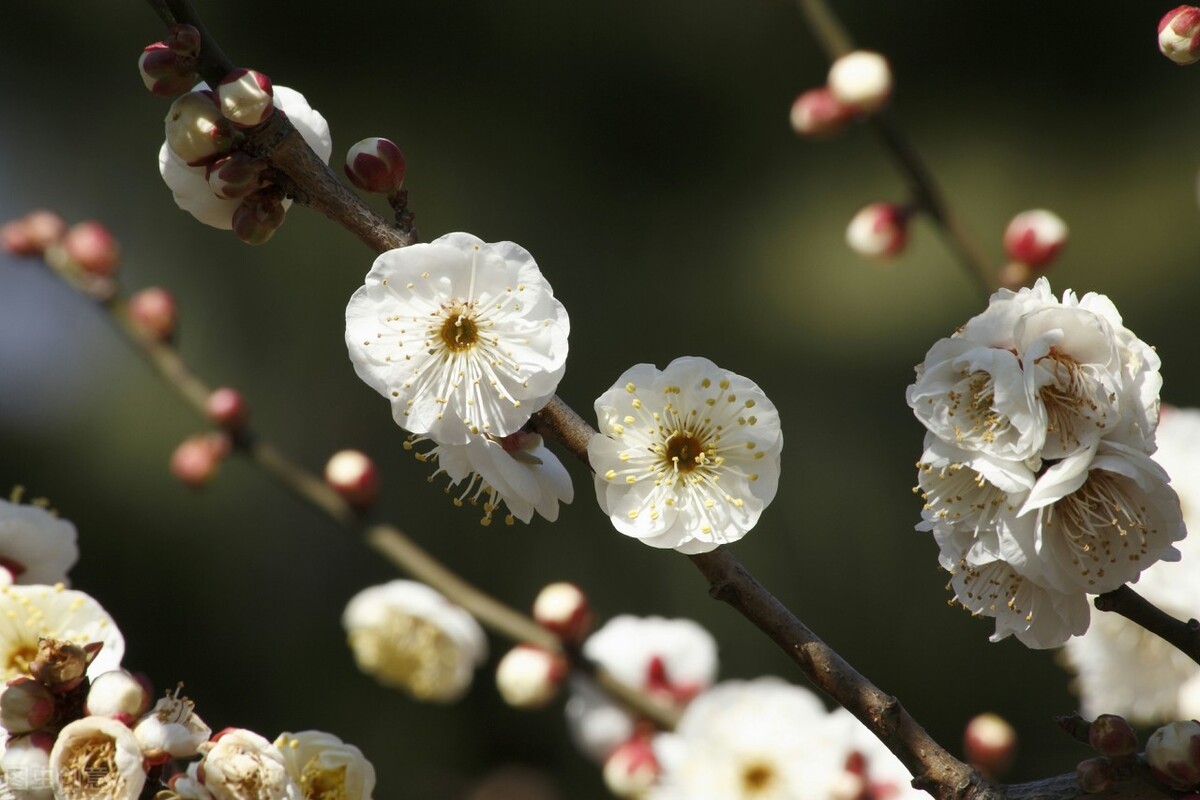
[28, 613]
[516, 471]
[96, 757]
[35, 546]
[462, 336]
[187, 785]
[1122, 668]
[324, 766]
[171, 729]
[190, 185]
[687, 457]
[671, 659]
[241, 765]
[409, 636]
[26, 766]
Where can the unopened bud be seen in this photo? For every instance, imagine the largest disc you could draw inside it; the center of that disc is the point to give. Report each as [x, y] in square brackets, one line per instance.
[879, 230]
[1173, 753]
[184, 39]
[1111, 735]
[165, 72]
[818, 113]
[153, 311]
[256, 218]
[92, 247]
[990, 744]
[376, 165]
[43, 228]
[25, 705]
[196, 460]
[1035, 237]
[862, 80]
[246, 97]
[529, 677]
[354, 476]
[61, 665]
[1179, 35]
[15, 239]
[631, 769]
[227, 408]
[196, 130]
[563, 608]
[26, 765]
[236, 175]
[119, 695]
[1095, 775]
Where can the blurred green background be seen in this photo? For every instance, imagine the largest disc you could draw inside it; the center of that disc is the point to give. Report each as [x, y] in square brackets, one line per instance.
[641, 151]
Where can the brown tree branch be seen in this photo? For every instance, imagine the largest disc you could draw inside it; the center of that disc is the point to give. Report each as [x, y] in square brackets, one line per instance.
[1131, 605]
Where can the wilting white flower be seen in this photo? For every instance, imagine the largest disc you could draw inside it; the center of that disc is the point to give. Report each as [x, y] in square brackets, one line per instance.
[190, 186]
[96, 757]
[28, 613]
[462, 336]
[324, 766]
[687, 457]
[241, 765]
[670, 659]
[172, 728]
[517, 471]
[35, 545]
[409, 636]
[1122, 668]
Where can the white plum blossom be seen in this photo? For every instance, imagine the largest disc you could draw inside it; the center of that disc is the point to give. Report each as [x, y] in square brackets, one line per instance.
[1038, 484]
[241, 765]
[35, 545]
[29, 613]
[26, 766]
[190, 187]
[464, 337]
[96, 757]
[324, 766]
[172, 728]
[516, 471]
[1122, 668]
[409, 636]
[673, 660]
[687, 457]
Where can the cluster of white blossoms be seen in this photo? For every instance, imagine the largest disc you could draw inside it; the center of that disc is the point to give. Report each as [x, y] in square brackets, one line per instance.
[467, 341]
[686, 457]
[1037, 478]
[1124, 669]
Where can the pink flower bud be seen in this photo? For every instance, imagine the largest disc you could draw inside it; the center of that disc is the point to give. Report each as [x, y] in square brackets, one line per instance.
[227, 408]
[1173, 753]
[153, 310]
[184, 39]
[92, 247]
[354, 476]
[236, 175]
[60, 665]
[196, 460]
[879, 230]
[25, 705]
[1111, 735]
[44, 228]
[529, 677]
[376, 165]
[1035, 237]
[117, 694]
[563, 608]
[1095, 775]
[862, 80]
[165, 72]
[16, 239]
[196, 130]
[257, 218]
[1179, 35]
[818, 113]
[246, 97]
[990, 744]
[631, 769]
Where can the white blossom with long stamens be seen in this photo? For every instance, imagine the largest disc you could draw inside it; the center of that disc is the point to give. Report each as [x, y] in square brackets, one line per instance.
[462, 336]
[686, 458]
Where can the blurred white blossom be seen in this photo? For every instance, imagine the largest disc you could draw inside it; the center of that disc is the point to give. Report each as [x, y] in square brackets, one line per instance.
[35, 545]
[324, 766]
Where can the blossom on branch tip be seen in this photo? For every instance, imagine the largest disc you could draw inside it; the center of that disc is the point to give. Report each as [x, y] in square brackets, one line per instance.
[324, 766]
[687, 457]
[408, 636]
[1035, 237]
[36, 547]
[462, 336]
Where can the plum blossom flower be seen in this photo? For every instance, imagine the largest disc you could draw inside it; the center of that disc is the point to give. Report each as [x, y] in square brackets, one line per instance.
[516, 471]
[29, 613]
[686, 457]
[323, 766]
[241, 765]
[409, 636]
[35, 545]
[171, 729]
[96, 757]
[189, 184]
[463, 337]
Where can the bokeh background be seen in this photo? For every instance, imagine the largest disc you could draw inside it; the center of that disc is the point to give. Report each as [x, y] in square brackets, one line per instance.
[642, 152]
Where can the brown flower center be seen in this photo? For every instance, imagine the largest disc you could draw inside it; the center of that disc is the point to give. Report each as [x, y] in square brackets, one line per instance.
[686, 451]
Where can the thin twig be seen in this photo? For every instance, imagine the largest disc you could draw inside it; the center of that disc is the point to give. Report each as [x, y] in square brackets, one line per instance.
[1131, 605]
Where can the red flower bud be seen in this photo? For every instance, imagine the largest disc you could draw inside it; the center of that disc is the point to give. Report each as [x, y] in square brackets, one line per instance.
[376, 165]
[92, 247]
[1179, 35]
[879, 230]
[354, 476]
[1035, 237]
[257, 218]
[153, 310]
[818, 113]
[227, 408]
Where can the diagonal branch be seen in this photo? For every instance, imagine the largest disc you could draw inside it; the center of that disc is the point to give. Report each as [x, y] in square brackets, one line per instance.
[1131, 605]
